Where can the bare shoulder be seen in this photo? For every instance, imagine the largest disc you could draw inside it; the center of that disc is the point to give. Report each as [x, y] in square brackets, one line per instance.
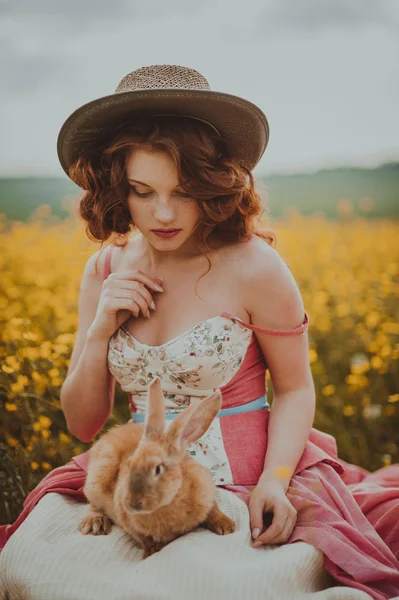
[272, 295]
[121, 254]
[254, 259]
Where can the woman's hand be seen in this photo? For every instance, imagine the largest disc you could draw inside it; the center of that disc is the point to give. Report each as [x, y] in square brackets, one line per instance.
[124, 293]
[270, 496]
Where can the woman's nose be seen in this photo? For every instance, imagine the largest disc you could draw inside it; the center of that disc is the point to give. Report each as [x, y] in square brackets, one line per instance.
[164, 213]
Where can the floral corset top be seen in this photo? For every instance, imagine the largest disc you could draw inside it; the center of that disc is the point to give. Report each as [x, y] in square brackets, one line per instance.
[193, 364]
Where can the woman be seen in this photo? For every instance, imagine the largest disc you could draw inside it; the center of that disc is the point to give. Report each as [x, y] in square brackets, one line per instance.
[208, 305]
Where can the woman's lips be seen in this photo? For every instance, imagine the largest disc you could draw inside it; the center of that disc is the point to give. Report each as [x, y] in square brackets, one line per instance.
[166, 234]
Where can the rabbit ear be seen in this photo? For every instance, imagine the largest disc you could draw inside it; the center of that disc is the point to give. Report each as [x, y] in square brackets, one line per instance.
[154, 423]
[193, 422]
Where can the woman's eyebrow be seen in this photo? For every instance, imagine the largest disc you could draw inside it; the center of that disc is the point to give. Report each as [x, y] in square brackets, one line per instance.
[142, 182]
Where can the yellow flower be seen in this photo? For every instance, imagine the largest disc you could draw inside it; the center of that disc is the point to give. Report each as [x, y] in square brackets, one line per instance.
[30, 353]
[393, 398]
[343, 309]
[349, 410]
[312, 354]
[11, 441]
[372, 347]
[385, 351]
[360, 367]
[390, 327]
[376, 362]
[356, 380]
[34, 465]
[328, 390]
[37, 377]
[65, 439]
[45, 434]
[13, 362]
[45, 350]
[20, 384]
[46, 465]
[387, 460]
[30, 336]
[372, 319]
[11, 407]
[45, 422]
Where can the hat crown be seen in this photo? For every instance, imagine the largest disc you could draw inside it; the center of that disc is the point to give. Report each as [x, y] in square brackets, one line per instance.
[163, 77]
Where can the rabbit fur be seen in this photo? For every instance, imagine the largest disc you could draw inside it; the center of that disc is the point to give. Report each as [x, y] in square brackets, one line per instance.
[141, 477]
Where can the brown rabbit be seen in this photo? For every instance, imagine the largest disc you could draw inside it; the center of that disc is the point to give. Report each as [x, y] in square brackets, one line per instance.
[141, 477]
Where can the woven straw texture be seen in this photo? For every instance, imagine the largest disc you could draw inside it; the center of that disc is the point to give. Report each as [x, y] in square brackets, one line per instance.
[163, 77]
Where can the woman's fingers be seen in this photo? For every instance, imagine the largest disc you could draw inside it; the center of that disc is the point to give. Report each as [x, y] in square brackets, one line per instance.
[132, 290]
[286, 533]
[273, 531]
[136, 275]
[125, 288]
[280, 530]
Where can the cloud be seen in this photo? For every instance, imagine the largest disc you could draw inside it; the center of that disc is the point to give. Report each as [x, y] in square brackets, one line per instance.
[92, 11]
[39, 39]
[316, 15]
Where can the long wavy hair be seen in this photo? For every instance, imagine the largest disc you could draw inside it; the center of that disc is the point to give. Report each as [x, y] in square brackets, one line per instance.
[231, 209]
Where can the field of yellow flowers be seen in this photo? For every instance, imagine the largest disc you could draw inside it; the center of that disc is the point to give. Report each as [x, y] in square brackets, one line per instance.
[347, 271]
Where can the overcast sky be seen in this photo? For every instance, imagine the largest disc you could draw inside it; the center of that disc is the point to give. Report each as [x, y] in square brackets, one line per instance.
[325, 72]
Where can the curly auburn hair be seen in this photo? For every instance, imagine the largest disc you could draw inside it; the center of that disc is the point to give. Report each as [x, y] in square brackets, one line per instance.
[223, 187]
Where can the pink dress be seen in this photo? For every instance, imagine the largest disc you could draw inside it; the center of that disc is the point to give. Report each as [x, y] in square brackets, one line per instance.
[351, 515]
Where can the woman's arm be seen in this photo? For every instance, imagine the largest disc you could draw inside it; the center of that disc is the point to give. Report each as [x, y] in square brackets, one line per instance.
[274, 302]
[87, 394]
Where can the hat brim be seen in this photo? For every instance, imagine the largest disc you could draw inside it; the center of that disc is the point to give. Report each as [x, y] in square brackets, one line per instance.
[242, 123]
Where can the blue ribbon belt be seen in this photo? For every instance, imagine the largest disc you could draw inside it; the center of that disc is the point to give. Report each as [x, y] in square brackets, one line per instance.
[258, 404]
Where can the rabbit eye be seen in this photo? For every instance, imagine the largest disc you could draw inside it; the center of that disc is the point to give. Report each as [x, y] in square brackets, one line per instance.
[158, 469]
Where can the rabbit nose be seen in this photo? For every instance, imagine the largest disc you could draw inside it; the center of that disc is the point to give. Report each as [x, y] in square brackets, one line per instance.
[137, 505]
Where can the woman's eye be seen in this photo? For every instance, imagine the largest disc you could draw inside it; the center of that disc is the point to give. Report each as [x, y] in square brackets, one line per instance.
[138, 194]
[149, 194]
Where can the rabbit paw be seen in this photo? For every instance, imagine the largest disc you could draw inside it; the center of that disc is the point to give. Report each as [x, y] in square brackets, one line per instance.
[218, 522]
[95, 524]
[222, 526]
[150, 547]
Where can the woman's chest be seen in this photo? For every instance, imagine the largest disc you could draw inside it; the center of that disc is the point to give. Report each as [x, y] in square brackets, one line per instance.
[191, 295]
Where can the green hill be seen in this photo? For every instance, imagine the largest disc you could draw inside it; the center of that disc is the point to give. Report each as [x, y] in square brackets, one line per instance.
[308, 192]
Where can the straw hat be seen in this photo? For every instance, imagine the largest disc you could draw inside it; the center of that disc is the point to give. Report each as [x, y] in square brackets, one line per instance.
[161, 90]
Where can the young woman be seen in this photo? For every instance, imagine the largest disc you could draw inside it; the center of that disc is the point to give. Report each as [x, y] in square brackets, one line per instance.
[200, 297]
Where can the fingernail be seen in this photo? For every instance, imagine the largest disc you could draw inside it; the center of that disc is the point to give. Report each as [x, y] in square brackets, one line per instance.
[158, 287]
[148, 315]
[255, 532]
[152, 305]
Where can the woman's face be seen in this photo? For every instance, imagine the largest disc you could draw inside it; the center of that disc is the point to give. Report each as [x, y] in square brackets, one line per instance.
[156, 201]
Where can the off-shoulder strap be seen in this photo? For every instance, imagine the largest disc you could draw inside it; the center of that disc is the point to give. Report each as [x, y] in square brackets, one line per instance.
[107, 261]
[300, 329]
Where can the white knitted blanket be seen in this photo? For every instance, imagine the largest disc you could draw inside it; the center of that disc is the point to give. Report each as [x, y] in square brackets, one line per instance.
[48, 559]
